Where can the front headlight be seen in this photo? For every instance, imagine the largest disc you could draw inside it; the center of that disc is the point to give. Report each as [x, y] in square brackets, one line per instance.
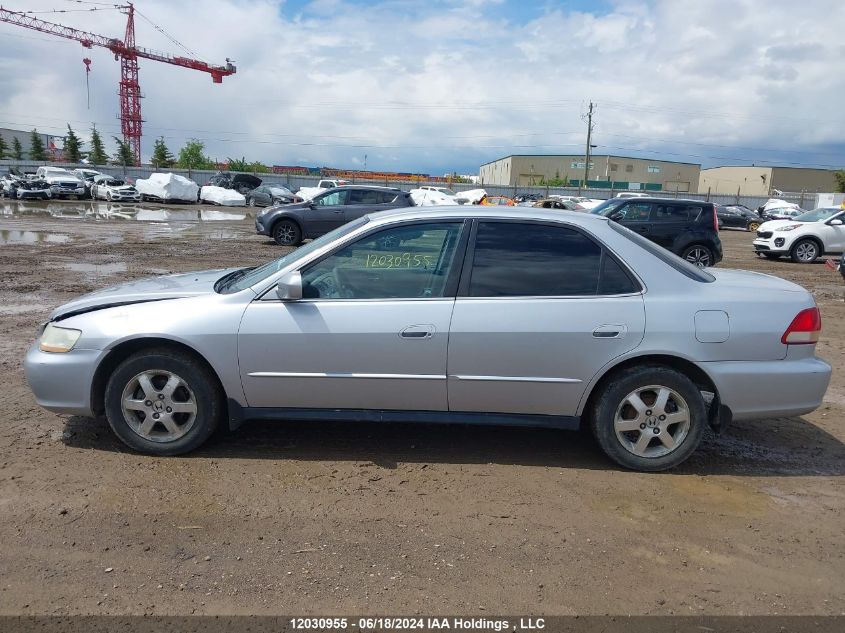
[789, 227]
[58, 339]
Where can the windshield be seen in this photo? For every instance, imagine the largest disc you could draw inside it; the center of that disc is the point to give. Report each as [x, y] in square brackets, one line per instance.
[607, 206]
[271, 268]
[817, 215]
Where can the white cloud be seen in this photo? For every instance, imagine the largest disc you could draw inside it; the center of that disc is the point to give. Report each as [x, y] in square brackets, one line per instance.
[442, 86]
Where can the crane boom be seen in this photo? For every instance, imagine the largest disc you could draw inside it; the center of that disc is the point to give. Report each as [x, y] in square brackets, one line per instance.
[128, 53]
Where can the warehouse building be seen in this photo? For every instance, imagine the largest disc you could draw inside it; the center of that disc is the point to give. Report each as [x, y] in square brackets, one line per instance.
[24, 136]
[765, 181]
[605, 172]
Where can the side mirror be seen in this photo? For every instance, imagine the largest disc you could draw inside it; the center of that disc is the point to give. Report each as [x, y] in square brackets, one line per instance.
[836, 222]
[312, 205]
[289, 287]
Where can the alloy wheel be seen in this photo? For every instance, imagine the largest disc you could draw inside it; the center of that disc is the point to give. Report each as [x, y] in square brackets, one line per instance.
[652, 421]
[806, 251]
[286, 234]
[159, 406]
[699, 256]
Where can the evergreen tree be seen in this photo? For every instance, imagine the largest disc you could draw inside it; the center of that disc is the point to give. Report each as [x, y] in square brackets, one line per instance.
[17, 149]
[123, 155]
[4, 148]
[36, 147]
[98, 151]
[72, 146]
[161, 155]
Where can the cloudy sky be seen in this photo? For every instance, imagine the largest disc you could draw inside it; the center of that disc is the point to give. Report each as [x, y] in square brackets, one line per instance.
[445, 85]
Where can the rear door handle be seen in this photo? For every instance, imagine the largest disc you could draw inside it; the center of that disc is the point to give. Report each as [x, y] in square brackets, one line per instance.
[610, 331]
[417, 332]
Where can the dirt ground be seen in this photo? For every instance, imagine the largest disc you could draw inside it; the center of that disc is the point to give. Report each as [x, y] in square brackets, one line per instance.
[323, 518]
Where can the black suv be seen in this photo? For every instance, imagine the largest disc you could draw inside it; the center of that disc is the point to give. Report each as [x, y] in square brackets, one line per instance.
[688, 228]
[288, 225]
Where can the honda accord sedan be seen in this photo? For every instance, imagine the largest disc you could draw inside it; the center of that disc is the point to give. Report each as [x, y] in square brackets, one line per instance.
[479, 315]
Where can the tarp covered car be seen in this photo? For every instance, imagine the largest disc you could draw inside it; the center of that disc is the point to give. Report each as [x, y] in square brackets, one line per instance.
[222, 196]
[473, 196]
[429, 197]
[167, 187]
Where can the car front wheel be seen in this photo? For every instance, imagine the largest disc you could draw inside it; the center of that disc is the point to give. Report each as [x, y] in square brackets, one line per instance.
[287, 233]
[805, 252]
[649, 418]
[163, 402]
[698, 255]
[753, 226]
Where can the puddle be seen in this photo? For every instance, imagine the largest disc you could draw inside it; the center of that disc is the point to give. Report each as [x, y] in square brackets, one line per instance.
[32, 237]
[165, 215]
[96, 270]
[217, 215]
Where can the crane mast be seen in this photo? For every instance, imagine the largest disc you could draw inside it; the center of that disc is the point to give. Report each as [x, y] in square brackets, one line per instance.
[128, 53]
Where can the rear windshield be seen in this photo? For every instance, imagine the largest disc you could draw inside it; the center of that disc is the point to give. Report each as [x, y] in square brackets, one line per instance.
[668, 257]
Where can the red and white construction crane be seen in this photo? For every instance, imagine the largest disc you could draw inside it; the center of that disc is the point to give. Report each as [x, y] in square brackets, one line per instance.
[128, 53]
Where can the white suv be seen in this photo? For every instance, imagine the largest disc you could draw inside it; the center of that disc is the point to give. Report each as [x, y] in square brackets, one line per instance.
[61, 181]
[804, 238]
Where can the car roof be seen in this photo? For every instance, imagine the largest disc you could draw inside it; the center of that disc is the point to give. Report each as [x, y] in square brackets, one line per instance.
[487, 213]
[658, 199]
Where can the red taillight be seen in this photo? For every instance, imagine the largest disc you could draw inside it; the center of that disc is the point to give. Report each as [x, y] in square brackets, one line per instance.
[804, 329]
[715, 220]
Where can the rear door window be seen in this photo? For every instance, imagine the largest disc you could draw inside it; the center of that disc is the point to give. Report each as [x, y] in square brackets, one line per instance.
[512, 259]
[673, 213]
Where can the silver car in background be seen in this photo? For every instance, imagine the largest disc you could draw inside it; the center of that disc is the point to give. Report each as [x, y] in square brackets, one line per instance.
[506, 315]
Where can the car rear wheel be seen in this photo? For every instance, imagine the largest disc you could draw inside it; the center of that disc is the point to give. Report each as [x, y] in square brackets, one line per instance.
[698, 255]
[251, 202]
[805, 251]
[650, 418]
[163, 402]
[753, 226]
[287, 233]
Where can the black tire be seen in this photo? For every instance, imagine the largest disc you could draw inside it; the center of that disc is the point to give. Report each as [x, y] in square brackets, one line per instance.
[197, 381]
[611, 399]
[698, 255]
[805, 251]
[287, 233]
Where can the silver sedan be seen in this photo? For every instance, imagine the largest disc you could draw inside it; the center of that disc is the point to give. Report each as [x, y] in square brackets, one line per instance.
[533, 317]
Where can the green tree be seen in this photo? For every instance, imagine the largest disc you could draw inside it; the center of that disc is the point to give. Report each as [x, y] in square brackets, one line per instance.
[237, 164]
[191, 156]
[36, 147]
[72, 146]
[161, 155]
[840, 180]
[123, 155]
[4, 148]
[17, 149]
[97, 155]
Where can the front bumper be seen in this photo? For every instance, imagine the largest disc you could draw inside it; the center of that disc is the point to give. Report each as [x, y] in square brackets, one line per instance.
[126, 197]
[67, 191]
[61, 383]
[770, 389]
[259, 226]
[775, 244]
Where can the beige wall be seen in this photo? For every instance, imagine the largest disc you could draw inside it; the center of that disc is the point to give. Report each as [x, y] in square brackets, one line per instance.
[749, 181]
[528, 170]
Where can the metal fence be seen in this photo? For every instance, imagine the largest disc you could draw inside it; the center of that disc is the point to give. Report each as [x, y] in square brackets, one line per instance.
[294, 182]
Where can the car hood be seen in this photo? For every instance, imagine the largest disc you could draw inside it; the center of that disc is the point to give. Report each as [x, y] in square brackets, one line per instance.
[746, 279]
[772, 225]
[141, 290]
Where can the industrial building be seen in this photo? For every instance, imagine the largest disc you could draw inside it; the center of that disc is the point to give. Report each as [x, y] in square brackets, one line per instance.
[24, 136]
[605, 172]
[765, 181]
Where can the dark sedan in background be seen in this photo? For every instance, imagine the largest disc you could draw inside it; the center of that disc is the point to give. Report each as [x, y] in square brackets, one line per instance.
[268, 195]
[289, 224]
[738, 217]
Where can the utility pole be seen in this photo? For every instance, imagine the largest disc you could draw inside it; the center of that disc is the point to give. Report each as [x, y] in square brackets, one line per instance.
[587, 152]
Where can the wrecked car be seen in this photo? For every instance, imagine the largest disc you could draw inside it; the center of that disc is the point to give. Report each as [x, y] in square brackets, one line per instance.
[113, 189]
[242, 183]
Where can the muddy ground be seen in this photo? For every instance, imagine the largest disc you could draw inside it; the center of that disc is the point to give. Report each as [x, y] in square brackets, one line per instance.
[315, 518]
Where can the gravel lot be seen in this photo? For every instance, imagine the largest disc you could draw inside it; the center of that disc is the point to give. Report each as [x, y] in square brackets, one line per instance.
[315, 518]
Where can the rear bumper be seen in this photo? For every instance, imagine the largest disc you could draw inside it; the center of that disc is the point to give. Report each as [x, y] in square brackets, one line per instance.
[769, 389]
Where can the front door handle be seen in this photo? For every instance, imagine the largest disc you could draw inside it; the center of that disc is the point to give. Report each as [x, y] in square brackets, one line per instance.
[610, 331]
[417, 332]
